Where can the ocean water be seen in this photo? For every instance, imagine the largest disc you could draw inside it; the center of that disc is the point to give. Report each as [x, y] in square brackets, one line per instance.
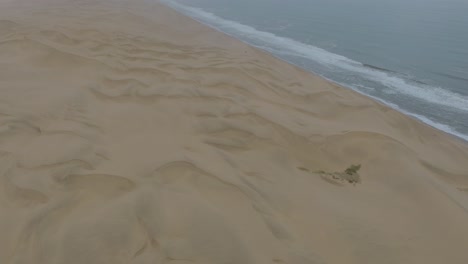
[409, 54]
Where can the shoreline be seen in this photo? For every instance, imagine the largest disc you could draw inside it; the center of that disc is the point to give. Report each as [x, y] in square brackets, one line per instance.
[130, 133]
[418, 117]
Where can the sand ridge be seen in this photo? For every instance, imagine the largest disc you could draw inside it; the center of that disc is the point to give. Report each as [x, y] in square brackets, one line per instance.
[132, 134]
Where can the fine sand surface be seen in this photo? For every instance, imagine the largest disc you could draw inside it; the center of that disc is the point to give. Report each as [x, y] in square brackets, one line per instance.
[132, 134]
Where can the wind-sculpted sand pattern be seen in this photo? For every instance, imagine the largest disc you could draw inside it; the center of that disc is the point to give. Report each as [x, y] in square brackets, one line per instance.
[130, 134]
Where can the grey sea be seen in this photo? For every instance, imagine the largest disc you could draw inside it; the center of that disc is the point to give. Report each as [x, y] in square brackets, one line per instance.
[409, 54]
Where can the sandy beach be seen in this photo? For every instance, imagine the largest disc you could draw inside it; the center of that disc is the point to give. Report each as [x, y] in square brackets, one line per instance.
[132, 134]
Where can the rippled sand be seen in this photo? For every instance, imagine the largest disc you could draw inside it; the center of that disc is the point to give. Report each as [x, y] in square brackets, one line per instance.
[131, 134]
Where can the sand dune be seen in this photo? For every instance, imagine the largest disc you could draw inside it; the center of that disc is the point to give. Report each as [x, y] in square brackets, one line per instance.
[131, 134]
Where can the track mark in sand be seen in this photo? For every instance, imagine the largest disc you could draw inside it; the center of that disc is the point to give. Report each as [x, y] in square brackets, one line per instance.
[126, 82]
[235, 134]
[271, 217]
[459, 179]
[38, 229]
[150, 241]
[177, 171]
[24, 196]
[64, 149]
[153, 95]
[100, 184]
[65, 132]
[206, 115]
[258, 176]
[277, 229]
[120, 87]
[74, 163]
[232, 139]
[16, 125]
[7, 25]
[8, 29]
[265, 123]
[59, 37]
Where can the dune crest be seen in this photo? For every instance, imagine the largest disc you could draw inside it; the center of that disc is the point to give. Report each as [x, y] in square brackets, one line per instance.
[132, 134]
